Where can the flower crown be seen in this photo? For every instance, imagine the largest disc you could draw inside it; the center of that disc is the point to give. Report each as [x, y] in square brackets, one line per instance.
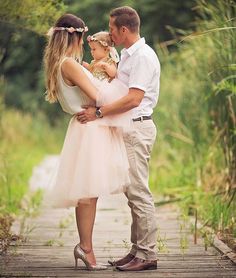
[68, 29]
[93, 39]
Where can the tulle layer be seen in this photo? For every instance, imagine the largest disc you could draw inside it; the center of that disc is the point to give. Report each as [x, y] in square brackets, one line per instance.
[93, 163]
[109, 93]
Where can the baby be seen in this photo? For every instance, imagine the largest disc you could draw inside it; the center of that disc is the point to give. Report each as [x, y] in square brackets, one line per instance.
[104, 65]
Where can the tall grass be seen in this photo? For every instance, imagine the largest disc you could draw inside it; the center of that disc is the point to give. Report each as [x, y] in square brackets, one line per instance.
[24, 141]
[195, 156]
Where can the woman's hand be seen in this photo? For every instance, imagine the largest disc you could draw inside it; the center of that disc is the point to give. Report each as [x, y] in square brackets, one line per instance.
[86, 65]
[86, 115]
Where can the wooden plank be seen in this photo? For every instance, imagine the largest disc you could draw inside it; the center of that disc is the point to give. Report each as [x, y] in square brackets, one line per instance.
[224, 249]
[112, 228]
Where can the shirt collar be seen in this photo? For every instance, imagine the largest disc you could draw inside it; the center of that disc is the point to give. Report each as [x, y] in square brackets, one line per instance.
[130, 51]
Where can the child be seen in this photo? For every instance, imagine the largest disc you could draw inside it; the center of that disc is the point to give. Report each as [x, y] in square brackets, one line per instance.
[105, 56]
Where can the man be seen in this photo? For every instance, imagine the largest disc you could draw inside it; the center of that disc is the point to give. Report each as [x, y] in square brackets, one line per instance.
[139, 69]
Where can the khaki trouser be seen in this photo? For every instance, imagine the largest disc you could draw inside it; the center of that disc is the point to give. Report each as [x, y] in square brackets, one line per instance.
[139, 142]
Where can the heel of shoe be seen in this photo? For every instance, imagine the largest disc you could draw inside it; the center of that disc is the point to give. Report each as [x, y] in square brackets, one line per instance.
[76, 263]
[79, 253]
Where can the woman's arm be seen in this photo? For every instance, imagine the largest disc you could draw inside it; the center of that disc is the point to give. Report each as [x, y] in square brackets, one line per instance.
[74, 75]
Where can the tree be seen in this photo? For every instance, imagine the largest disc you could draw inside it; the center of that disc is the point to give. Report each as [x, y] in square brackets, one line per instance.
[23, 24]
[22, 28]
[29, 14]
[155, 16]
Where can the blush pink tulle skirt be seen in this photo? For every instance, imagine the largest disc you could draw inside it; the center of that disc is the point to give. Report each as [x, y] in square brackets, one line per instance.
[93, 160]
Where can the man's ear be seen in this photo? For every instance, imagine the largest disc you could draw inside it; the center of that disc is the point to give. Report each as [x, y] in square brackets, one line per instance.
[123, 29]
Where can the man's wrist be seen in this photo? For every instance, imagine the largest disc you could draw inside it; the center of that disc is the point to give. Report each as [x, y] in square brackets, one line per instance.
[98, 112]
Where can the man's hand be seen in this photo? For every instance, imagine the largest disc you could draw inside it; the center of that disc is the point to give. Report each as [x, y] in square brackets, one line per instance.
[86, 115]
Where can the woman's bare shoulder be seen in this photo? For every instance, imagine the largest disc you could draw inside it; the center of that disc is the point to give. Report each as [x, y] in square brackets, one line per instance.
[69, 62]
[70, 66]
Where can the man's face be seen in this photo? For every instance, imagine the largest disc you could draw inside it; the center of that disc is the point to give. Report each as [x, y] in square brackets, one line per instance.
[116, 35]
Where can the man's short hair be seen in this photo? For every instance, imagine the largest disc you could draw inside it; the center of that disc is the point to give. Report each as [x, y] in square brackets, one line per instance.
[126, 16]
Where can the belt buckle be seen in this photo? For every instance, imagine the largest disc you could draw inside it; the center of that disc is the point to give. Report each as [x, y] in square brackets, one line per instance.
[141, 119]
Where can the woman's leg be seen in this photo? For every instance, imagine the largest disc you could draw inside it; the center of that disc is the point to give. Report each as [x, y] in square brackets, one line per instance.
[85, 216]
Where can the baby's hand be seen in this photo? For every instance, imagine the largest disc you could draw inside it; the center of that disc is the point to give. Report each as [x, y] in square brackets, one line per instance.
[101, 65]
[110, 69]
[86, 65]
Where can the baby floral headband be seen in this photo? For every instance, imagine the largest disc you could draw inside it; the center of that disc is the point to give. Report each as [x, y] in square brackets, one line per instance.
[113, 52]
[68, 29]
[93, 39]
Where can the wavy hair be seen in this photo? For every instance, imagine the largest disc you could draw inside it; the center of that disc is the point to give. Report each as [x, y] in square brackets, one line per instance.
[58, 44]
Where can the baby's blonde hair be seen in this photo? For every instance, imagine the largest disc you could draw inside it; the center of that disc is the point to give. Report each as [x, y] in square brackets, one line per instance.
[101, 37]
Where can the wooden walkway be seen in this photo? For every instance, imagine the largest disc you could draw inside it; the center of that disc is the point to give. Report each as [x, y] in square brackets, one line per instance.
[48, 252]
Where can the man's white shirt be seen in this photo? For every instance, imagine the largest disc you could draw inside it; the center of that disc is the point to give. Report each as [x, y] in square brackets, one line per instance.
[139, 68]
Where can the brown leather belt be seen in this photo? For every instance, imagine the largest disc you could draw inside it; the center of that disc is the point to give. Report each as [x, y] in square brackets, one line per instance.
[142, 118]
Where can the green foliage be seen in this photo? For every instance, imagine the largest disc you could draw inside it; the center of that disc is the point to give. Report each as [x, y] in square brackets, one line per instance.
[21, 50]
[25, 140]
[29, 14]
[158, 16]
[195, 156]
[155, 16]
[21, 42]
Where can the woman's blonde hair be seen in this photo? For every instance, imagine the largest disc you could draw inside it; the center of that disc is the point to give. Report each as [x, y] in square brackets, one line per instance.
[67, 32]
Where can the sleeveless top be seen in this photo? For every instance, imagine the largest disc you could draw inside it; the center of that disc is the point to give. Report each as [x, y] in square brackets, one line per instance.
[71, 98]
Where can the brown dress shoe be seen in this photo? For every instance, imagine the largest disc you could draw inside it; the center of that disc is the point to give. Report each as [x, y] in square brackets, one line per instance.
[122, 261]
[138, 264]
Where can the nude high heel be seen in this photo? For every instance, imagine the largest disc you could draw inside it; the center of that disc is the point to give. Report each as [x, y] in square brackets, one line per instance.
[79, 253]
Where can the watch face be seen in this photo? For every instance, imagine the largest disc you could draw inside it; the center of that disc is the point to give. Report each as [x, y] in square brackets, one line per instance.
[98, 113]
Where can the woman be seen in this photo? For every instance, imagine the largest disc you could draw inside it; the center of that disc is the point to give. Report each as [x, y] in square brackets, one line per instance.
[93, 160]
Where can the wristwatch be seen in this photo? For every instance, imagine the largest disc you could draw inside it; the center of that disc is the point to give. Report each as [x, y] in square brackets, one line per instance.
[98, 112]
